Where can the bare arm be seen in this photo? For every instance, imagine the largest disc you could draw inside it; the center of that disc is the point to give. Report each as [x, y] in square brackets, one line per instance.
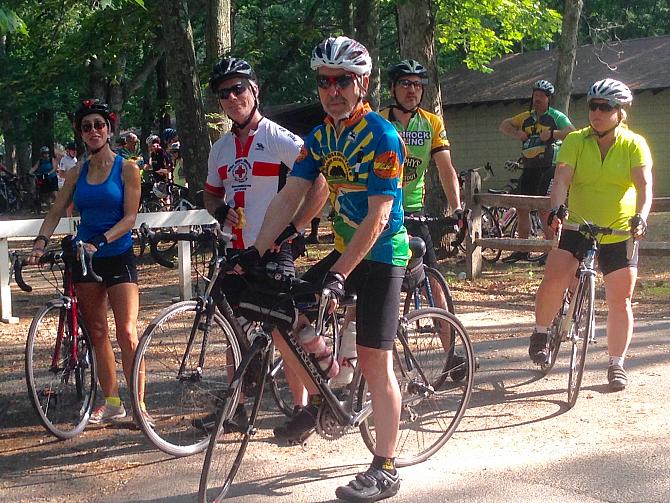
[560, 134]
[314, 201]
[281, 211]
[448, 178]
[508, 128]
[365, 236]
[643, 182]
[562, 180]
[63, 199]
[34, 168]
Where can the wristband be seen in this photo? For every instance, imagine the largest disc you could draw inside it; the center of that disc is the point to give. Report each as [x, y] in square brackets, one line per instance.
[99, 240]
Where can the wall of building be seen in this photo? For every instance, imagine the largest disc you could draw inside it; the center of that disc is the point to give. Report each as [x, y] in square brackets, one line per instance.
[473, 133]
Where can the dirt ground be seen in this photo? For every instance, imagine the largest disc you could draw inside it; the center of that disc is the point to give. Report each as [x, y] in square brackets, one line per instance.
[497, 306]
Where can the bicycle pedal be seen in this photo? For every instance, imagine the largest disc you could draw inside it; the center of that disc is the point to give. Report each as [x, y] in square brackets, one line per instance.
[301, 440]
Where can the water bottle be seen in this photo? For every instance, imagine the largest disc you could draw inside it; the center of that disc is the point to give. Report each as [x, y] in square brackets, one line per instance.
[317, 346]
[347, 357]
[507, 216]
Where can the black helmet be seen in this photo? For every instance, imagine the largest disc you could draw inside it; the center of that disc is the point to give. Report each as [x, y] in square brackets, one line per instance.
[408, 67]
[168, 134]
[93, 106]
[230, 67]
[70, 146]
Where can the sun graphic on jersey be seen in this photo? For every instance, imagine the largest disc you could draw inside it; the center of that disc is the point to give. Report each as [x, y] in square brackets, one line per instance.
[336, 167]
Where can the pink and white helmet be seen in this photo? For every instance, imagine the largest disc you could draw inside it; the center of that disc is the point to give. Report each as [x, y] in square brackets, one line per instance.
[342, 52]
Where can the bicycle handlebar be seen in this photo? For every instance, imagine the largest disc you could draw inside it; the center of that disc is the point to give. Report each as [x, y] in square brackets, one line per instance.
[53, 258]
[200, 236]
[593, 229]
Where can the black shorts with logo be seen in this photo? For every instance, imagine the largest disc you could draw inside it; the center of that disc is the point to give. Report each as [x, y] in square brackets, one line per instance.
[377, 286]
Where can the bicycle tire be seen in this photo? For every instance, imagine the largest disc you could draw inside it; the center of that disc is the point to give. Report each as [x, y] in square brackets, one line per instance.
[63, 397]
[421, 366]
[536, 232]
[581, 335]
[553, 345]
[422, 296]
[281, 393]
[490, 229]
[173, 402]
[218, 471]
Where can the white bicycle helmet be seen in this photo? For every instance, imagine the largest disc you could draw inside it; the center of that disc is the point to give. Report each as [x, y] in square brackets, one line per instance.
[545, 86]
[342, 52]
[615, 92]
[152, 138]
[160, 190]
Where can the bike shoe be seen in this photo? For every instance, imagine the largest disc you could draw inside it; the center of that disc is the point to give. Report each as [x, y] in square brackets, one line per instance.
[107, 414]
[373, 485]
[300, 427]
[515, 257]
[537, 350]
[616, 376]
[238, 423]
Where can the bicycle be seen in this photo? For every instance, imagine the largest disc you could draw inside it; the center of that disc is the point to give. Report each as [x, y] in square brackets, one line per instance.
[574, 322]
[60, 366]
[420, 279]
[190, 350]
[432, 407]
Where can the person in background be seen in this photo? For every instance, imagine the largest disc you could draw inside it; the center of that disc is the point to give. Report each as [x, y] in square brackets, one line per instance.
[159, 160]
[66, 163]
[46, 178]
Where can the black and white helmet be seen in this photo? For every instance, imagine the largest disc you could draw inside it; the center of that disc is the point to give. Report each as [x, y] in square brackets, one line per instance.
[228, 68]
[342, 52]
[408, 67]
[545, 86]
[615, 92]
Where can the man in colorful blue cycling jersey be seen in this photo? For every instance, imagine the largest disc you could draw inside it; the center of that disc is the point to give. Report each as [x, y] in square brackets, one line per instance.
[361, 156]
[540, 130]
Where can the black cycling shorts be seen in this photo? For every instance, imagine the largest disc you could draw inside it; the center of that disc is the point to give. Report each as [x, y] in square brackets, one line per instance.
[377, 287]
[611, 257]
[113, 270]
[232, 285]
[421, 230]
[534, 181]
[48, 185]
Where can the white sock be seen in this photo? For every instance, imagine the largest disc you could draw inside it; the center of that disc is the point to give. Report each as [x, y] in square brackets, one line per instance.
[617, 360]
[540, 329]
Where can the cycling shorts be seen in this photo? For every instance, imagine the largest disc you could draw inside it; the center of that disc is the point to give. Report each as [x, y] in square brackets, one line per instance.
[377, 286]
[48, 185]
[534, 181]
[232, 285]
[113, 270]
[421, 230]
[611, 257]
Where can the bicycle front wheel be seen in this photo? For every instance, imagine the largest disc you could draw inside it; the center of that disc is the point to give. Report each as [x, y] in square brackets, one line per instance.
[432, 405]
[228, 444]
[581, 334]
[180, 389]
[429, 292]
[61, 378]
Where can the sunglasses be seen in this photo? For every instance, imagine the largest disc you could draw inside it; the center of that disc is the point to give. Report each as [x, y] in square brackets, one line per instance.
[341, 82]
[237, 89]
[406, 84]
[603, 107]
[86, 128]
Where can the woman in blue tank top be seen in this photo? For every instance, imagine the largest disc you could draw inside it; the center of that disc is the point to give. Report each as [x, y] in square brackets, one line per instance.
[106, 191]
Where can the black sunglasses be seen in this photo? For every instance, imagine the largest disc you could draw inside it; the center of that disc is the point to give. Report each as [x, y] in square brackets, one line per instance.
[406, 84]
[603, 107]
[341, 82]
[98, 125]
[237, 89]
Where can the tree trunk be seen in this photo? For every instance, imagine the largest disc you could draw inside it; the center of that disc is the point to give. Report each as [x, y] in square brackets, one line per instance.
[97, 84]
[347, 16]
[567, 54]
[189, 110]
[43, 132]
[115, 91]
[416, 34]
[163, 93]
[367, 33]
[147, 116]
[218, 43]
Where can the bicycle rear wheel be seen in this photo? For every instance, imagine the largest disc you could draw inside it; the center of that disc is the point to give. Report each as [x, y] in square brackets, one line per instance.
[580, 334]
[432, 406]
[175, 399]
[424, 295]
[490, 229]
[536, 232]
[62, 391]
[227, 446]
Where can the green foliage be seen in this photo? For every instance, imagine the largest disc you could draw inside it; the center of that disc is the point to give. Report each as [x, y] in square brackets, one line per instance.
[482, 30]
[10, 22]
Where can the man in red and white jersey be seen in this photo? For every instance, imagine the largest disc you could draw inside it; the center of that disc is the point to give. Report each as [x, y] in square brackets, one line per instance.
[246, 169]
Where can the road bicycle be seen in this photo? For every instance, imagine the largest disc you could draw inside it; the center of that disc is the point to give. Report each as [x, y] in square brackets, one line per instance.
[420, 279]
[575, 322]
[435, 388]
[59, 356]
[190, 350]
